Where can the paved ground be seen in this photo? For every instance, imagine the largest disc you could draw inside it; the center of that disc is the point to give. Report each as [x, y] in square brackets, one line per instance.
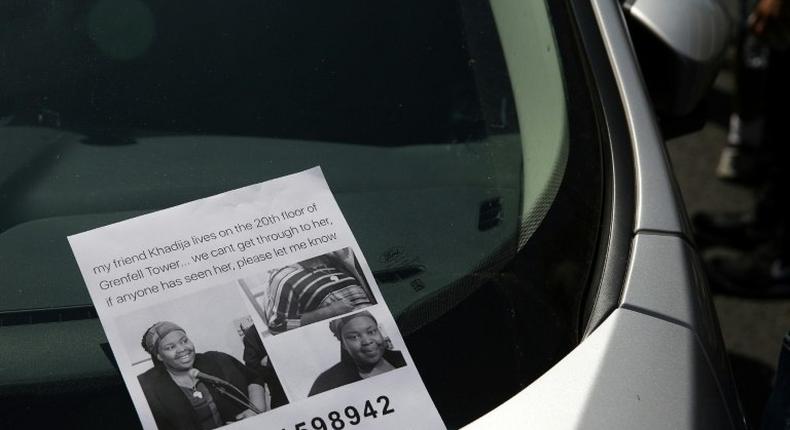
[752, 328]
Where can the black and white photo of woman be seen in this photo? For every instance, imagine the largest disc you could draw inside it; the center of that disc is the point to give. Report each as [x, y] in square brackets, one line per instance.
[186, 389]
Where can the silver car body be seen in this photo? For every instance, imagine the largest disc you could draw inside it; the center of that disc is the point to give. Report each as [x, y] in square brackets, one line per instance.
[657, 360]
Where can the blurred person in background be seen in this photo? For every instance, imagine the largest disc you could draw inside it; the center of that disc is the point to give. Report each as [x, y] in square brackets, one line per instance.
[758, 263]
[741, 159]
[757, 257]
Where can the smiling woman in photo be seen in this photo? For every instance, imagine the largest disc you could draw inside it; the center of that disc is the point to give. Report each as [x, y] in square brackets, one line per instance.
[364, 353]
[190, 390]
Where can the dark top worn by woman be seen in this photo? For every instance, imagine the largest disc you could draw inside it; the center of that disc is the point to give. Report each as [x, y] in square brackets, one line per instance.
[347, 372]
[254, 352]
[173, 409]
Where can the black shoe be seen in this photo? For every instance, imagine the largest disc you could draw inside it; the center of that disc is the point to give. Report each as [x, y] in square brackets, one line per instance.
[737, 230]
[754, 274]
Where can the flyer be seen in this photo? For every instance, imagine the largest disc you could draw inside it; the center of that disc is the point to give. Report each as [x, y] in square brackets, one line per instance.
[254, 308]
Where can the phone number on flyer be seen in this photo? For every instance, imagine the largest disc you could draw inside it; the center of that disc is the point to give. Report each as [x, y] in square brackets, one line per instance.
[351, 416]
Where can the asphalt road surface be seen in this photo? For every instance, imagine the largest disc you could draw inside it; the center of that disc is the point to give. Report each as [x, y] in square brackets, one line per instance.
[752, 328]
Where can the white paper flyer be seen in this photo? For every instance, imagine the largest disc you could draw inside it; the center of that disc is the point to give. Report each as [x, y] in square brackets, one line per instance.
[252, 309]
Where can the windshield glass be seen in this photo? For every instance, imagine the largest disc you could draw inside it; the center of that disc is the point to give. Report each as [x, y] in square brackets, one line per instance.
[442, 128]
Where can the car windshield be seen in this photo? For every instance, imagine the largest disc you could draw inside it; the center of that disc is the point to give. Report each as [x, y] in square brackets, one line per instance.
[442, 127]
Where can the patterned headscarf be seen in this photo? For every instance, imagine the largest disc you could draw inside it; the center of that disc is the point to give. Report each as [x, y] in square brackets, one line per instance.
[336, 326]
[155, 333]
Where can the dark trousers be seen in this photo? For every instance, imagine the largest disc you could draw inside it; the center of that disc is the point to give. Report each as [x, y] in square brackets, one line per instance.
[774, 204]
[777, 411]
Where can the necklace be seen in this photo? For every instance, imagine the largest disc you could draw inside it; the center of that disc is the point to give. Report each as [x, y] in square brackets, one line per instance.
[188, 383]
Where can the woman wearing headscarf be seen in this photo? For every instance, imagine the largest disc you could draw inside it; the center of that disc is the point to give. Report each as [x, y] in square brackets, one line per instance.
[364, 353]
[189, 390]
